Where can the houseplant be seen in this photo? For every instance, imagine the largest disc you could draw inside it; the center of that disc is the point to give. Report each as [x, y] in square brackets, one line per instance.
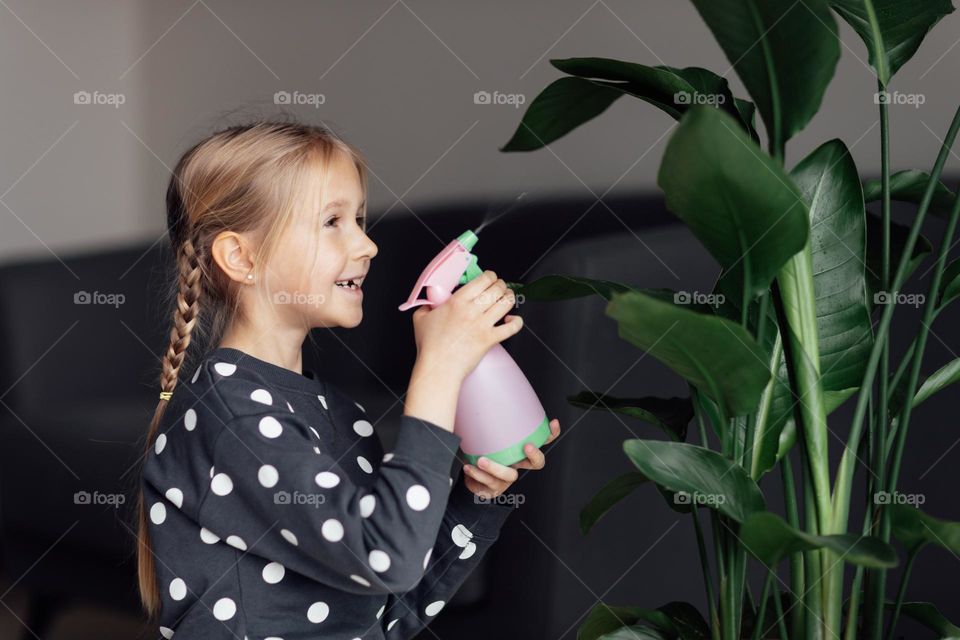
[805, 267]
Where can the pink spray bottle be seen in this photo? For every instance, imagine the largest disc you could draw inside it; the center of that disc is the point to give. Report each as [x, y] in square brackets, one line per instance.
[498, 412]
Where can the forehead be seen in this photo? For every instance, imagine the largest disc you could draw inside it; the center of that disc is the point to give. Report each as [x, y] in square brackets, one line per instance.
[339, 185]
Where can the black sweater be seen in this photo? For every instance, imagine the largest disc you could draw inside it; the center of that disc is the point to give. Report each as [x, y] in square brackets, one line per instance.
[273, 512]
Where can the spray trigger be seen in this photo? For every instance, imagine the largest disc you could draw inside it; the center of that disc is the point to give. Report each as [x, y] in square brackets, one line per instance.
[472, 270]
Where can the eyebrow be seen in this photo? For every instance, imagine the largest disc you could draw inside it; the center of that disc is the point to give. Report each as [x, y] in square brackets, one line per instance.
[339, 203]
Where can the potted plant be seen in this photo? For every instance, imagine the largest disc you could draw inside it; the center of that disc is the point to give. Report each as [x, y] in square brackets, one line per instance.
[787, 335]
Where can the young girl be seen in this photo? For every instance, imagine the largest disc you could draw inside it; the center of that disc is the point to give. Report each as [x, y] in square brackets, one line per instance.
[267, 507]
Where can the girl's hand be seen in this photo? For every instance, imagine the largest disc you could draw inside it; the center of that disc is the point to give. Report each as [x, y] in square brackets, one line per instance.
[493, 478]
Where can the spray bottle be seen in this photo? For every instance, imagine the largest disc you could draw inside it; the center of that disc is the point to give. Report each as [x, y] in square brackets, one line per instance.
[498, 412]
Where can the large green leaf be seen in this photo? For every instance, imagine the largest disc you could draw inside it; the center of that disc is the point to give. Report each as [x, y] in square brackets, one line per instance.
[560, 108]
[891, 29]
[784, 51]
[706, 476]
[670, 414]
[909, 186]
[739, 203]
[636, 632]
[717, 356]
[609, 495]
[915, 529]
[676, 620]
[770, 538]
[939, 379]
[950, 284]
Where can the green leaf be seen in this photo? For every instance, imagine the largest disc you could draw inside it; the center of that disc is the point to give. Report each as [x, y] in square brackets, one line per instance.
[670, 414]
[769, 538]
[706, 476]
[909, 186]
[915, 529]
[785, 52]
[942, 377]
[739, 203]
[717, 356]
[634, 633]
[950, 285]
[891, 29]
[676, 620]
[560, 108]
[561, 287]
[928, 615]
[609, 495]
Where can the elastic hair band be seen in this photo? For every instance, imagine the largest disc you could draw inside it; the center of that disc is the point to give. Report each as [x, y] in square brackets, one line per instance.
[165, 395]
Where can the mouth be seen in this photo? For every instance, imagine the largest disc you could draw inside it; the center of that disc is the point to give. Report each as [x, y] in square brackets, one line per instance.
[352, 284]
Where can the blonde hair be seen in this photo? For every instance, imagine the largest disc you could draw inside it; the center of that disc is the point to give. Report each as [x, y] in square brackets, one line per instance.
[242, 178]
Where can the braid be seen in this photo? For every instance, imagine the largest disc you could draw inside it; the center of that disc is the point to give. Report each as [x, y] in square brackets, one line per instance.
[185, 316]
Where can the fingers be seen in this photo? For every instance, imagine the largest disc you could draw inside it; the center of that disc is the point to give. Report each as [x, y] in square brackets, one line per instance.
[554, 431]
[477, 285]
[492, 474]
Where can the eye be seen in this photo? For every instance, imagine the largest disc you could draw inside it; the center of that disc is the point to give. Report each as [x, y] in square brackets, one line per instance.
[333, 219]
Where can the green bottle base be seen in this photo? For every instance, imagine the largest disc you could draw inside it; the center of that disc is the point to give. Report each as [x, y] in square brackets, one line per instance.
[514, 453]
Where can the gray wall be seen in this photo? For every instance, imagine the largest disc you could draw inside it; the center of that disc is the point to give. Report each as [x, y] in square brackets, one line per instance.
[398, 80]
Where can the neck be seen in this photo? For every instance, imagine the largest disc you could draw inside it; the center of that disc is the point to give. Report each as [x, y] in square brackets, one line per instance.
[282, 347]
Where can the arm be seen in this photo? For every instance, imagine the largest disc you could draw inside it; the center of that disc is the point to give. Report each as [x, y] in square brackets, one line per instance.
[469, 529]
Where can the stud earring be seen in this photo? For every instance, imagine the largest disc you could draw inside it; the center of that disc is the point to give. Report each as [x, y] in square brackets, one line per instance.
[249, 276]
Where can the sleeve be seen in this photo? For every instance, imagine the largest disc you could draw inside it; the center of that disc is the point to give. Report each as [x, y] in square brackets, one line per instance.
[470, 527]
[275, 493]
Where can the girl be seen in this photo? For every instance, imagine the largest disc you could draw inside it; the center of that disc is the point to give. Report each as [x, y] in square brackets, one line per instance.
[267, 506]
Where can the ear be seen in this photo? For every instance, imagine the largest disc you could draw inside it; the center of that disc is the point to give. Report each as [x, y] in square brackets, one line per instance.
[234, 254]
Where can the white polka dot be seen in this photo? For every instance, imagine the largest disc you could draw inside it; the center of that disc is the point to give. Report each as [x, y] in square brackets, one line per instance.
[451, 481]
[418, 497]
[363, 428]
[224, 609]
[327, 479]
[365, 464]
[190, 420]
[461, 535]
[323, 401]
[318, 612]
[225, 368]
[360, 406]
[270, 427]
[316, 450]
[367, 504]
[359, 580]
[391, 623]
[221, 484]
[289, 537]
[158, 513]
[332, 530]
[211, 472]
[208, 536]
[387, 457]
[178, 589]
[273, 573]
[175, 496]
[468, 550]
[380, 613]
[291, 408]
[237, 542]
[426, 559]
[196, 374]
[268, 476]
[434, 608]
[165, 632]
[160, 443]
[262, 396]
[315, 432]
[379, 560]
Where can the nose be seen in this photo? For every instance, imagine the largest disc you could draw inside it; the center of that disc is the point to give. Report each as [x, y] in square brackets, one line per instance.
[368, 247]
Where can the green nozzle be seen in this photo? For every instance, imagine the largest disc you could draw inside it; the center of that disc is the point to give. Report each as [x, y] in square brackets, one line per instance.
[468, 238]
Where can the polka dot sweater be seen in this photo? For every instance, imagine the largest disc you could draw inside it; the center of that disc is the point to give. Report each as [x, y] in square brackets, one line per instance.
[274, 514]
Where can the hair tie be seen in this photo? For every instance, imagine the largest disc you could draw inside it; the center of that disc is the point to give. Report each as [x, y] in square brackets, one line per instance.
[165, 395]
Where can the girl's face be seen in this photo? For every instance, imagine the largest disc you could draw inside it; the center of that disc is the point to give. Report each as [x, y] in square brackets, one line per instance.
[326, 243]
